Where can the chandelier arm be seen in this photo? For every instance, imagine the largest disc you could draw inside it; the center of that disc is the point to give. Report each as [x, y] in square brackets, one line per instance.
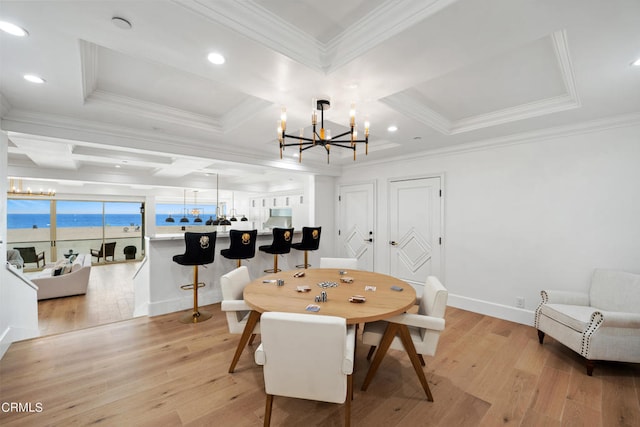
[296, 144]
[342, 146]
[341, 135]
[298, 137]
[347, 141]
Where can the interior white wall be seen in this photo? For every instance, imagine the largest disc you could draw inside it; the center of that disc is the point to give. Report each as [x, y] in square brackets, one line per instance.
[528, 216]
[18, 300]
[323, 216]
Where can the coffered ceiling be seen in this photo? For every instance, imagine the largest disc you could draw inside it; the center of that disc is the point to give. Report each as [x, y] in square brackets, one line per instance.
[446, 73]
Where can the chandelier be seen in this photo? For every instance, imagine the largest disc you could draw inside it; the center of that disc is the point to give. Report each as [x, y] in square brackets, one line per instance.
[15, 187]
[348, 139]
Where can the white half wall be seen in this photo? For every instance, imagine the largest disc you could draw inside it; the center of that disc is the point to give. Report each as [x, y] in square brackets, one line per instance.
[18, 299]
[533, 215]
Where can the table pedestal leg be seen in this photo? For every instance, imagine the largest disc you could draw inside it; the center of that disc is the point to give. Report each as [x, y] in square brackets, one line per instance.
[254, 316]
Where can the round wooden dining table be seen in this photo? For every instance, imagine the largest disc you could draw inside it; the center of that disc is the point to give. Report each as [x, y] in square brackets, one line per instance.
[380, 300]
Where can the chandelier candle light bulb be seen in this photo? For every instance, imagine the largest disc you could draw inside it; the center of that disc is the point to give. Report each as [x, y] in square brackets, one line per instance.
[323, 137]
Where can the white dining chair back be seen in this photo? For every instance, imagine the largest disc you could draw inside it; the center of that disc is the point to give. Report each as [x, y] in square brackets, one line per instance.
[346, 263]
[237, 311]
[306, 356]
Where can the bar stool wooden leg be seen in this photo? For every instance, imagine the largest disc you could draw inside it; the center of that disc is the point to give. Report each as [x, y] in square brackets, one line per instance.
[239, 263]
[195, 316]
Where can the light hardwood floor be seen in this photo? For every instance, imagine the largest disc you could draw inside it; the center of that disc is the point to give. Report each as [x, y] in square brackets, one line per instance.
[109, 298]
[160, 372]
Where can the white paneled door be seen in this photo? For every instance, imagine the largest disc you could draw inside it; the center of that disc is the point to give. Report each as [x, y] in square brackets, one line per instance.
[355, 229]
[415, 229]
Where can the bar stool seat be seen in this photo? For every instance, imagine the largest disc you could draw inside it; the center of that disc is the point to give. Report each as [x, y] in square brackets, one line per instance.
[281, 245]
[199, 250]
[242, 245]
[310, 242]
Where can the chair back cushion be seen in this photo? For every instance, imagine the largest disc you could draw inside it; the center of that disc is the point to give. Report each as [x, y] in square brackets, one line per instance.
[110, 248]
[282, 239]
[303, 356]
[310, 239]
[233, 283]
[613, 290]
[242, 244]
[434, 298]
[199, 249]
[28, 254]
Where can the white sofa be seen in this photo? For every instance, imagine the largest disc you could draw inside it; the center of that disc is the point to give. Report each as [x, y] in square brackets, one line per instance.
[601, 324]
[74, 282]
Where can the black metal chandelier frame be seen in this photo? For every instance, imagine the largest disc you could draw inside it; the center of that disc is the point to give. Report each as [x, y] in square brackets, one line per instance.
[319, 139]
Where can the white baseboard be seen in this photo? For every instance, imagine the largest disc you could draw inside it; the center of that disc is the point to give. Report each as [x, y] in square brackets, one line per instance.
[180, 304]
[12, 334]
[505, 312]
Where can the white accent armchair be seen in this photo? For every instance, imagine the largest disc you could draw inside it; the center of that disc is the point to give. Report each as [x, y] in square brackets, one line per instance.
[424, 330]
[307, 356]
[346, 263]
[237, 311]
[601, 324]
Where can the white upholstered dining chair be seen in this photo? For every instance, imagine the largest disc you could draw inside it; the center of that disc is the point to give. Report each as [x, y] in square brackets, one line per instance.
[346, 263]
[424, 328]
[306, 356]
[237, 311]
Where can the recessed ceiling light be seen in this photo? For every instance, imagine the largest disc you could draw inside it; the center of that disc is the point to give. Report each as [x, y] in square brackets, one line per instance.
[33, 78]
[13, 29]
[117, 166]
[392, 128]
[636, 62]
[121, 23]
[216, 58]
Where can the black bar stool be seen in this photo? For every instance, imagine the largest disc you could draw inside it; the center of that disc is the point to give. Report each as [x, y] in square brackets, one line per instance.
[199, 250]
[242, 245]
[310, 242]
[281, 245]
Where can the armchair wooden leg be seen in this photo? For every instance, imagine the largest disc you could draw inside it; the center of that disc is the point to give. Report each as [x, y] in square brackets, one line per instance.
[254, 316]
[371, 350]
[590, 365]
[267, 410]
[347, 402]
[383, 346]
[405, 336]
[540, 336]
[421, 360]
[253, 337]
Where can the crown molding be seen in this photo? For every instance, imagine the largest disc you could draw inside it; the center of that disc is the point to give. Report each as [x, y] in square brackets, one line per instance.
[265, 27]
[586, 127]
[384, 22]
[141, 140]
[154, 111]
[89, 67]
[262, 26]
[409, 104]
[243, 112]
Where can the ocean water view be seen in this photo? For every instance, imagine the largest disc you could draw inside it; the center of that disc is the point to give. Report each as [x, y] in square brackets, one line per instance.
[16, 221]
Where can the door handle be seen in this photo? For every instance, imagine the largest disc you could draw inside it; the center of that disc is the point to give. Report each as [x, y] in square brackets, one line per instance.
[393, 243]
[368, 240]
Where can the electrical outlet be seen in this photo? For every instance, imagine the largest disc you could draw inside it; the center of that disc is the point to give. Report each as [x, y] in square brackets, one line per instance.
[520, 302]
